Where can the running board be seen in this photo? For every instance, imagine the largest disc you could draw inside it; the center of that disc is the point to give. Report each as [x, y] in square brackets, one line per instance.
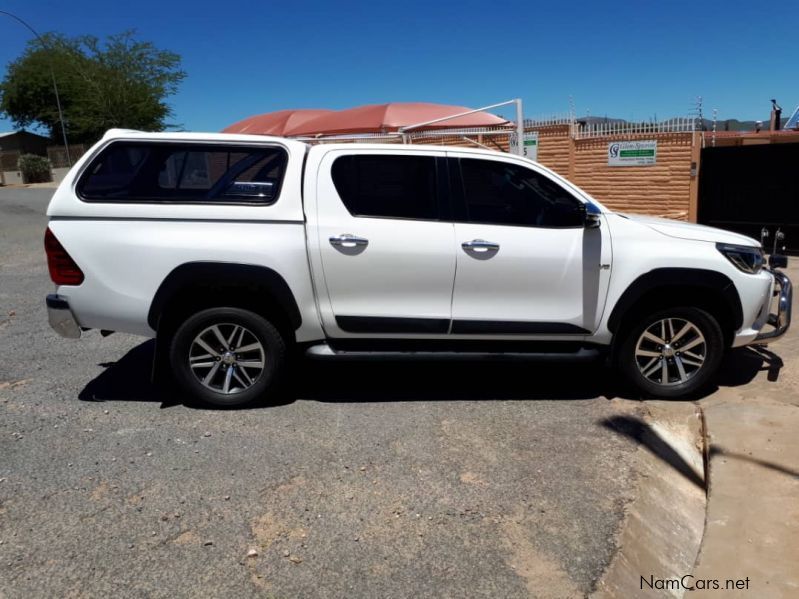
[325, 352]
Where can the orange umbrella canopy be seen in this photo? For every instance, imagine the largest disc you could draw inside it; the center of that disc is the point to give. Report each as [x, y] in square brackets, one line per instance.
[274, 123]
[382, 118]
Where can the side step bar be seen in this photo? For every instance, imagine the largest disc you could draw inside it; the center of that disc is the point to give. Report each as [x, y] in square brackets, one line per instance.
[323, 351]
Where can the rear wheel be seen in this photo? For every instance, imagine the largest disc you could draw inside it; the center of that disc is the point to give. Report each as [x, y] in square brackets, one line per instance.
[672, 353]
[227, 357]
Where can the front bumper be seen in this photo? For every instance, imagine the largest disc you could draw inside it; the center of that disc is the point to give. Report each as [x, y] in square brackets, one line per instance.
[781, 321]
[61, 318]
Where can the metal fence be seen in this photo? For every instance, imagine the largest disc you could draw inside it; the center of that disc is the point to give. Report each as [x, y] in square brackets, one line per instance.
[491, 138]
[549, 121]
[477, 136]
[614, 129]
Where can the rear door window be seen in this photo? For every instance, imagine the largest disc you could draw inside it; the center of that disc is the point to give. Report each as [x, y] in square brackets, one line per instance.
[191, 173]
[388, 186]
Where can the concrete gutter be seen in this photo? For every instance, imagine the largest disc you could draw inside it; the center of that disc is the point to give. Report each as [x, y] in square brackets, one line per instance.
[663, 527]
[742, 539]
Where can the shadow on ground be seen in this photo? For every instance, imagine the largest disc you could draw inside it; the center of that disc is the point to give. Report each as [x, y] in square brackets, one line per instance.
[129, 379]
[742, 365]
[641, 433]
[718, 450]
[450, 381]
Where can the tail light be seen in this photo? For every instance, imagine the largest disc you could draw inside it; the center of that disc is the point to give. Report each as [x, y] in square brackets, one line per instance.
[63, 270]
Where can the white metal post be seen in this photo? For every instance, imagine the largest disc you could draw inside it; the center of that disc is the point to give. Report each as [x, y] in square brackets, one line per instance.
[519, 127]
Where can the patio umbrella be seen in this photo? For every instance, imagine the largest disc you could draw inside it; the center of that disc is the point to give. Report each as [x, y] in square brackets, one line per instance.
[384, 118]
[274, 123]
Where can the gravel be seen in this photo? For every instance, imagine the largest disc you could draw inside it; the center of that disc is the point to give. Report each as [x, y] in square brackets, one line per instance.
[390, 480]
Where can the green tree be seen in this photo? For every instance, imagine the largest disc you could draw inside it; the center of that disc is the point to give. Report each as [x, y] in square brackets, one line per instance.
[120, 82]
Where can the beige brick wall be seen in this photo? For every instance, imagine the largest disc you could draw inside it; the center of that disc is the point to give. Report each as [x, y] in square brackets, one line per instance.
[663, 189]
[554, 148]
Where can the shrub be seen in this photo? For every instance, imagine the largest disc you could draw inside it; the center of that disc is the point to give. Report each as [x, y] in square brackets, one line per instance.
[35, 169]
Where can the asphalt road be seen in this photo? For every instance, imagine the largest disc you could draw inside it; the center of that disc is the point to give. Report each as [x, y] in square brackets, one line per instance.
[392, 480]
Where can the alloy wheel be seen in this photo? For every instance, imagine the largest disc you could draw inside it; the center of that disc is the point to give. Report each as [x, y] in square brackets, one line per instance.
[227, 358]
[670, 351]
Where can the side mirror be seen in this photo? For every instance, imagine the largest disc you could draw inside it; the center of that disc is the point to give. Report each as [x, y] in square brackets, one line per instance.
[592, 216]
[778, 261]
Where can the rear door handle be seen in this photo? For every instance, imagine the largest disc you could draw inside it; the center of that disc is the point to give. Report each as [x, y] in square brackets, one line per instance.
[480, 246]
[347, 240]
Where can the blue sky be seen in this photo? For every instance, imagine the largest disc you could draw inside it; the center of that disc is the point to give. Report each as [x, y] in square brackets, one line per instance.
[632, 60]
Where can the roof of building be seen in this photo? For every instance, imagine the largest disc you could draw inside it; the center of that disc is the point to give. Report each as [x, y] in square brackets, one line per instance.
[10, 133]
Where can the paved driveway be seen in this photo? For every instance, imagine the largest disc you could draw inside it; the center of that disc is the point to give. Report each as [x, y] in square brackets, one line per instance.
[388, 480]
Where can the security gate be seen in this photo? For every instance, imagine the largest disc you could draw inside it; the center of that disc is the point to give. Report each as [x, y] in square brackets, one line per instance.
[746, 188]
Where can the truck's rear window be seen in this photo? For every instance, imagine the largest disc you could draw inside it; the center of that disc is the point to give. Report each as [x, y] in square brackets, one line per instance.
[190, 173]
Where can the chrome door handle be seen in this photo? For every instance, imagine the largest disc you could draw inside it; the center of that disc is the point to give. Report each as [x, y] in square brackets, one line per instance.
[480, 245]
[348, 241]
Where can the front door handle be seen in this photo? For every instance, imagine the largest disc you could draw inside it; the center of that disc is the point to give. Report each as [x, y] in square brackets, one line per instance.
[480, 246]
[347, 240]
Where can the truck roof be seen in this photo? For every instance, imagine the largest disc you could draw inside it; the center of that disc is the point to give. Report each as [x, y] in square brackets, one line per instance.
[193, 136]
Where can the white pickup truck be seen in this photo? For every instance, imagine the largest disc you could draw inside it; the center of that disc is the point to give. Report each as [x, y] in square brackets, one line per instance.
[237, 251]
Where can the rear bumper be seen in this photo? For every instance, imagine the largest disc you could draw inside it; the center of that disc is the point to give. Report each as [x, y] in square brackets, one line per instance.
[61, 318]
[781, 320]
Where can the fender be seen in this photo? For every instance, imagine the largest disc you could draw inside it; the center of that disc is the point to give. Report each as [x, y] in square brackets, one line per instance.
[678, 277]
[259, 279]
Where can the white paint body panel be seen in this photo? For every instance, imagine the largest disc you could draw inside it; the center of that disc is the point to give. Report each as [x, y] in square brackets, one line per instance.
[692, 231]
[638, 249]
[407, 269]
[126, 250]
[126, 261]
[539, 274]
[410, 268]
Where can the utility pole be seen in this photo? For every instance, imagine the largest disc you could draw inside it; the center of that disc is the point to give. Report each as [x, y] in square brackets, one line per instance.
[52, 76]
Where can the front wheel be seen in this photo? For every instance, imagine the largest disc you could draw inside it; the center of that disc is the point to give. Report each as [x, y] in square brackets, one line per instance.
[227, 357]
[672, 353]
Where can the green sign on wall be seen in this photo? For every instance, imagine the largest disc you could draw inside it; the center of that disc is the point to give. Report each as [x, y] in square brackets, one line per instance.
[632, 153]
[529, 144]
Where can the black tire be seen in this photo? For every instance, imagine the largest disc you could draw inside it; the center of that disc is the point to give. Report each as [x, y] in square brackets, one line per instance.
[685, 380]
[230, 365]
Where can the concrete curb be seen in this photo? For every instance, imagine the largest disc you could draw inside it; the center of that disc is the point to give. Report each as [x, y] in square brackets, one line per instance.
[664, 524]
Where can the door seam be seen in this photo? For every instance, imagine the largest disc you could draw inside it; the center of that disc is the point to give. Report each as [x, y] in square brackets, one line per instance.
[454, 279]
